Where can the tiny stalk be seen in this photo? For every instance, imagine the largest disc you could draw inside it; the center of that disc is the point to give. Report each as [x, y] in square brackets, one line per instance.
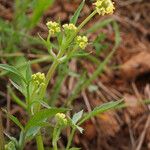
[87, 20]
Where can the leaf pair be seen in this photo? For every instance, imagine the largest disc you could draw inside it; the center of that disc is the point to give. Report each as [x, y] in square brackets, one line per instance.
[19, 80]
[36, 121]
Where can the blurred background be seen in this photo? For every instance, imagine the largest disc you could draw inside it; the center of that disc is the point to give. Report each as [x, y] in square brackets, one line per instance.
[127, 76]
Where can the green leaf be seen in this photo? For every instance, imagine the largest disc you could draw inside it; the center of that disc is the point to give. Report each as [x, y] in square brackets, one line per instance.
[79, 128]
[44, 104]
[42, 115]
[13, 70]
[100, 109]
[28, 72]
[81, 54]
[19, 88]
[38, 10]
[30, 134]
[16, 99]
[75, 17]
[117, 34]
[99, 43]
[15, 120]
[77, 116]
[73, 122]
[14, 140]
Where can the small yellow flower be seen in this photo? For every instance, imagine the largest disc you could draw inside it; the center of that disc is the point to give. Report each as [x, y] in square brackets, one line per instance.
[82, 41]
[38, 78]
[104, 7]
[61, 119]
[53, 27]
[70, 27]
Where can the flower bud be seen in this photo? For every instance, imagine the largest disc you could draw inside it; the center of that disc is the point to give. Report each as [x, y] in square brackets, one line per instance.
[53, 27]
[82, 41]
[70, 27]
[104, 7]
[61, 119]
[38, 78]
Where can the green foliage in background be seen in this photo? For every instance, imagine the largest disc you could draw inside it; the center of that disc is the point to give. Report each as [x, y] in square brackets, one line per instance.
[15, 32]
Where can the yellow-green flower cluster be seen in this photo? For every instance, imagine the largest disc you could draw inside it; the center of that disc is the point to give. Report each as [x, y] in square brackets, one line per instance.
[82, 41]
[104, 7]
[53, 27]
[38, 78]
[70, 27]
[61, 119]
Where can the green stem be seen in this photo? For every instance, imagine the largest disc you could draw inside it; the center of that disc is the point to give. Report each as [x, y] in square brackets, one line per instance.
[51, 72]
[16, 99]
[70, 138]
[39, 141]
[87, 20]
[49, 75]
[22, 140]
[56, 134]
[38, 137]
[28, 98]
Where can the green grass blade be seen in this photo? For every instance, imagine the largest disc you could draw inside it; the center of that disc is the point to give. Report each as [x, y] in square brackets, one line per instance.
[39, 60]
[101, 109]
[75, 17]
[16, 99]
[15, 120]
[99, 25]
[117, 34]
[38, 10]
[12, 70]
